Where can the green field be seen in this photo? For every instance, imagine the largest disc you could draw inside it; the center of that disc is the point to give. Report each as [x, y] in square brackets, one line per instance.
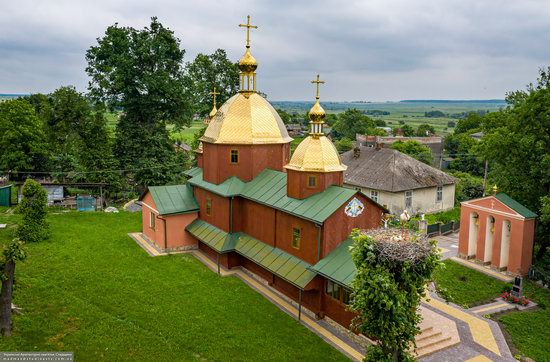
[92, 290]
[410, 112]
[528, 329]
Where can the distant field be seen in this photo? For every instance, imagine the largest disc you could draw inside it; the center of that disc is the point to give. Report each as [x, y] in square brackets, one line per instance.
[411, 112]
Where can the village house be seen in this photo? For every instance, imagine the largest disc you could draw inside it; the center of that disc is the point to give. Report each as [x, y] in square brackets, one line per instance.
[398, 181]
[435, 143]
[249, 204]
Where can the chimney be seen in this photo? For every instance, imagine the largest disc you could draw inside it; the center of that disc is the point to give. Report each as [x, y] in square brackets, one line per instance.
[356, 152]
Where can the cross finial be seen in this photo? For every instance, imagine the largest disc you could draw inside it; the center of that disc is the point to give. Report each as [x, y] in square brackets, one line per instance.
[214, 93]
[248, 26]
[317, 81]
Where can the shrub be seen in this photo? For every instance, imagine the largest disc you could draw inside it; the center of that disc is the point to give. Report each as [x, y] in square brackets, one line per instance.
[33, 208]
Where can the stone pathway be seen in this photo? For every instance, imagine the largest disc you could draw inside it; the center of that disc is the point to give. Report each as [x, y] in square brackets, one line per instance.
[448, 245]
[496, 307]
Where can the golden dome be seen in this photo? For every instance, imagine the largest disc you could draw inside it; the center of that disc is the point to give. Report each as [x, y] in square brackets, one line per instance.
[317, 113]
[248, 64]
[246, 119]
[316, 154]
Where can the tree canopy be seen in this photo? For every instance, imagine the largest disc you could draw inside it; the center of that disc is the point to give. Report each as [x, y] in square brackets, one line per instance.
[414, 149]
[352, 122]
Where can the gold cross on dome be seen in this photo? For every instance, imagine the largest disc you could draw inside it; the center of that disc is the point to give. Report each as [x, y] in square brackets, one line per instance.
[248, 26]
[214, 93]
[317, 85]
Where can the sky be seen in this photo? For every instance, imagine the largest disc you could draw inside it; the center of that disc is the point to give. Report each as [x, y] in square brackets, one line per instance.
[370, 50]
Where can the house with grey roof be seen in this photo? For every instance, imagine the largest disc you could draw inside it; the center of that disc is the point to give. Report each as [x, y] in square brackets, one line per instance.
[398, 181]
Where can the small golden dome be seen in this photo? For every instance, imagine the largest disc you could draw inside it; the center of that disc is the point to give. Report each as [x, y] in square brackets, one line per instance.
[246, 119]
[316, 154]
[248, 64]
[317, 113]
[213, 112]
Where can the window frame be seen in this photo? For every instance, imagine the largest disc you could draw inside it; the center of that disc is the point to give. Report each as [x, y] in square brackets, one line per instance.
[337, 292]
[439, 193]
[311, 177]
[294, 239]
[234, 152]
[208, 206]
[408, 205]
[152, 220]
[374, 195]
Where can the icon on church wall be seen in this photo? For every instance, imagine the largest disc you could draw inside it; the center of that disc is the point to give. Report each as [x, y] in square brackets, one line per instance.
[354, 208]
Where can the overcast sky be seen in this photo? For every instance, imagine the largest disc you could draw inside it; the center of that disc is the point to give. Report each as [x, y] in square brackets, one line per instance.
[372, 50]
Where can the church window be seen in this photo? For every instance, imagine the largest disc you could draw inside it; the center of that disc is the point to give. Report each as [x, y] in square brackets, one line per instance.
[235, 156]
[296, 238]
[311, 182]
[152, 219]
[333, 289]
[374, 195]
[208, 207]
[408, 200]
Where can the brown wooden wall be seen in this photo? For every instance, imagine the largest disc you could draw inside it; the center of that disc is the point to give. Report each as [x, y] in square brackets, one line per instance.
[297, 186]
[253, 159]
[254, 219]
[220, 208]
[336, 310]
[339, 225]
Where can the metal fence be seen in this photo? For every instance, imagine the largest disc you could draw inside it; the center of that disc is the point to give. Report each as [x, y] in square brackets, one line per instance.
[442, 229]
[537, 273]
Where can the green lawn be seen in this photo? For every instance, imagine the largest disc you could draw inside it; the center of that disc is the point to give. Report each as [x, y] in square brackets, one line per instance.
[466, 286]
[529, 330]
[92, 290]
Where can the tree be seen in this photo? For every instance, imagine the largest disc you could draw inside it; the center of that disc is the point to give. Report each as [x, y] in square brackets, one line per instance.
[516, 143]
[352, 122]
[387, 289]
[414, 149]
[464, 150]
[12, 253]
[425, 130]
[406, 130]
[33, 208]
[344, 145]
[22, 146]
[206, 72]
[470, 124]
[141, 71]
[285, 116]
[468, 187]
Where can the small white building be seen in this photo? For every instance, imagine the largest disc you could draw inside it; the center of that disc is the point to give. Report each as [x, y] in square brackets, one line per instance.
[398, 181]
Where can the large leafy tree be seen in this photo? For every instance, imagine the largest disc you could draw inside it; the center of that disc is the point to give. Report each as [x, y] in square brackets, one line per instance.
[517, 145]
[206, 72]
[386, 291]
[414, 149]
[352, 122]
[22, 140]
[141, 72]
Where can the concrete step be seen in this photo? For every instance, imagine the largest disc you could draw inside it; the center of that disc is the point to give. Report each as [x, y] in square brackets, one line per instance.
[436, 339]
[423, 336]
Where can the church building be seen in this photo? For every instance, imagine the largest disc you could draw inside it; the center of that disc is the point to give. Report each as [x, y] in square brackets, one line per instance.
[249, 204]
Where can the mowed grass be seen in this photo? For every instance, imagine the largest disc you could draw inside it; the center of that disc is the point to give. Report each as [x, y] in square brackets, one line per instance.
[529, 330]
[466, 286]
[92, 290]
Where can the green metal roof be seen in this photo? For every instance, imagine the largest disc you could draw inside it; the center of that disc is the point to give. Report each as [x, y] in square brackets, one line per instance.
[269, 188]
[5, 187]
[174, 199]
[192, 172]
[214, 237]
[516, 206]
[230, 187]
[281, 263]
[338, 265]
[277, 261]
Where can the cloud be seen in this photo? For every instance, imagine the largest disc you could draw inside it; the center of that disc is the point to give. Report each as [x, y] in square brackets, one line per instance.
[369, 50]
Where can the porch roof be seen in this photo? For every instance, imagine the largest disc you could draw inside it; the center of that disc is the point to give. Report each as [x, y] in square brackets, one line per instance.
[284, 265]
[173, 199]
[338, 265]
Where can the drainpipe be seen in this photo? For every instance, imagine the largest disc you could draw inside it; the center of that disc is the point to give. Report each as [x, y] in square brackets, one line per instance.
[300, 305]
[318, 241]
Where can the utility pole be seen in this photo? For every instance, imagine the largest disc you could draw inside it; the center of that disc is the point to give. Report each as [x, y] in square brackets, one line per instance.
[485, 176]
